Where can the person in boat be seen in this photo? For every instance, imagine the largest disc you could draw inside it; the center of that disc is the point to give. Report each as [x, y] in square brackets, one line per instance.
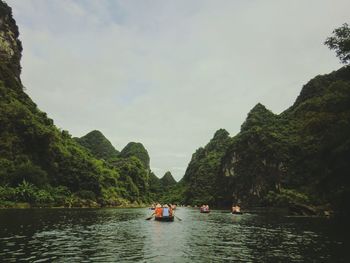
[158, 211]
[236, 209]
[170, 210]
[166, 212]
[204, 208]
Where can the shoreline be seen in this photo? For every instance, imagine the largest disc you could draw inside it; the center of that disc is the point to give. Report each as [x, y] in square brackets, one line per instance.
[24, 205]
[302, 210]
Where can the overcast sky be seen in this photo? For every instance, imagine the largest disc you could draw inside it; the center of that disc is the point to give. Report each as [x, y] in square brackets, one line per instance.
[170, 73]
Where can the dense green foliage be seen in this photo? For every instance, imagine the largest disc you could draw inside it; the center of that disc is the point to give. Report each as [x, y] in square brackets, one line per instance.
[303, 152]
[41, 164]
[167, 180]
[98, 145]
[175, 194]
[340, 42]
[165, 189]
[138, 150]
[201, 174]
[45, 197]
[32, 147]
[299, 156]
[134, 178]
[155, 187]
[285, 197]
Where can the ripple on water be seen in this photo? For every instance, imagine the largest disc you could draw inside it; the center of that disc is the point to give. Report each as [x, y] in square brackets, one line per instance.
[115, 235]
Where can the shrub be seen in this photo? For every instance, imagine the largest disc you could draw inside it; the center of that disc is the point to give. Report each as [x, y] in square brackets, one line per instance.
[285, 197]
[30, 173]
[85, 194]
[25, 192]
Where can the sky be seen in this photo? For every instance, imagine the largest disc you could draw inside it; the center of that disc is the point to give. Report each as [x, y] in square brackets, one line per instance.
[167, 73]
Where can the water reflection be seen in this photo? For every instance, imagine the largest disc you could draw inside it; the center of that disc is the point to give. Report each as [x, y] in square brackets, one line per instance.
[114, 235]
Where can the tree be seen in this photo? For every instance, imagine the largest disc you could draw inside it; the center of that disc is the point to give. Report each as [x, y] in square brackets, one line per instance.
[340, 42]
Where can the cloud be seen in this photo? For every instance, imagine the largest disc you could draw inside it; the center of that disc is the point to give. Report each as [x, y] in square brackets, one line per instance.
[170, 73]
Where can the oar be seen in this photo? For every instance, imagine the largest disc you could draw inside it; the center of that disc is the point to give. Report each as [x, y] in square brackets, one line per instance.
[149, 218]
[178, 217]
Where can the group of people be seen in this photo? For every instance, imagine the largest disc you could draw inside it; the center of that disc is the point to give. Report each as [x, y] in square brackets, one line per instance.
[166, 210]
[205, 208]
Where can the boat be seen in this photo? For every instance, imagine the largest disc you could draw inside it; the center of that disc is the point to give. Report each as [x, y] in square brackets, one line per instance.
[165, 218]
[204, 209]
[152, 208]
[237, 213]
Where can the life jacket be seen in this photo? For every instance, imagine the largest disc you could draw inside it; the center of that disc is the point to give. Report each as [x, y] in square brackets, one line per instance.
[158, 211]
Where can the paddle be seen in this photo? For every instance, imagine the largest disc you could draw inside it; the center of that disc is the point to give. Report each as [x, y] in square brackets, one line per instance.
[178, 217]
[149, 218]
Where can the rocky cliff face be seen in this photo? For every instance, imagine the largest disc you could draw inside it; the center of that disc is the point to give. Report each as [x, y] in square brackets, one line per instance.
[10, 46]
[254, 163]
[201, 177]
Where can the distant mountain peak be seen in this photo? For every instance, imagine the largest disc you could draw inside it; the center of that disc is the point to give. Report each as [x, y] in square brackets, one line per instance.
[98, 145]
[317, 86]
[168, 180]
[137, 150]
[221, 133]
[259, 107]
[259, 115]
[95, 132]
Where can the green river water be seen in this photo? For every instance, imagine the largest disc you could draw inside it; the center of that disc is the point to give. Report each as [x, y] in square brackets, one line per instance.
[123, 235]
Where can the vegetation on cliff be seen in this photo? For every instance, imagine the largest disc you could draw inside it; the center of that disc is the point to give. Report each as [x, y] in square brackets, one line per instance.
[138, 150]
[201, 174]
[43, 165]
[297, 157]
[300, 156]
[301, 152]
[167, 181]
[98, 145]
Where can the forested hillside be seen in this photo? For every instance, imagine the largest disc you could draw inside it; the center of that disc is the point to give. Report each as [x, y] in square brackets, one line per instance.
[298, 156]
[43, 165]
[98, 145]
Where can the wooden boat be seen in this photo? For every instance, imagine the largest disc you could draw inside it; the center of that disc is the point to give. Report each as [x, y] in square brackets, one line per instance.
[204, 211]
[237, 213]
[165, 218]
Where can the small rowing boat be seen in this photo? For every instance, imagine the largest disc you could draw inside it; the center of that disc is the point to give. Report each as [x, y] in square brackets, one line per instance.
[237, 213]
[165, 218]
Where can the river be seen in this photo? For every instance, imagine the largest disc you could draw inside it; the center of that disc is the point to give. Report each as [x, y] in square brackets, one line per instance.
[123, 235]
